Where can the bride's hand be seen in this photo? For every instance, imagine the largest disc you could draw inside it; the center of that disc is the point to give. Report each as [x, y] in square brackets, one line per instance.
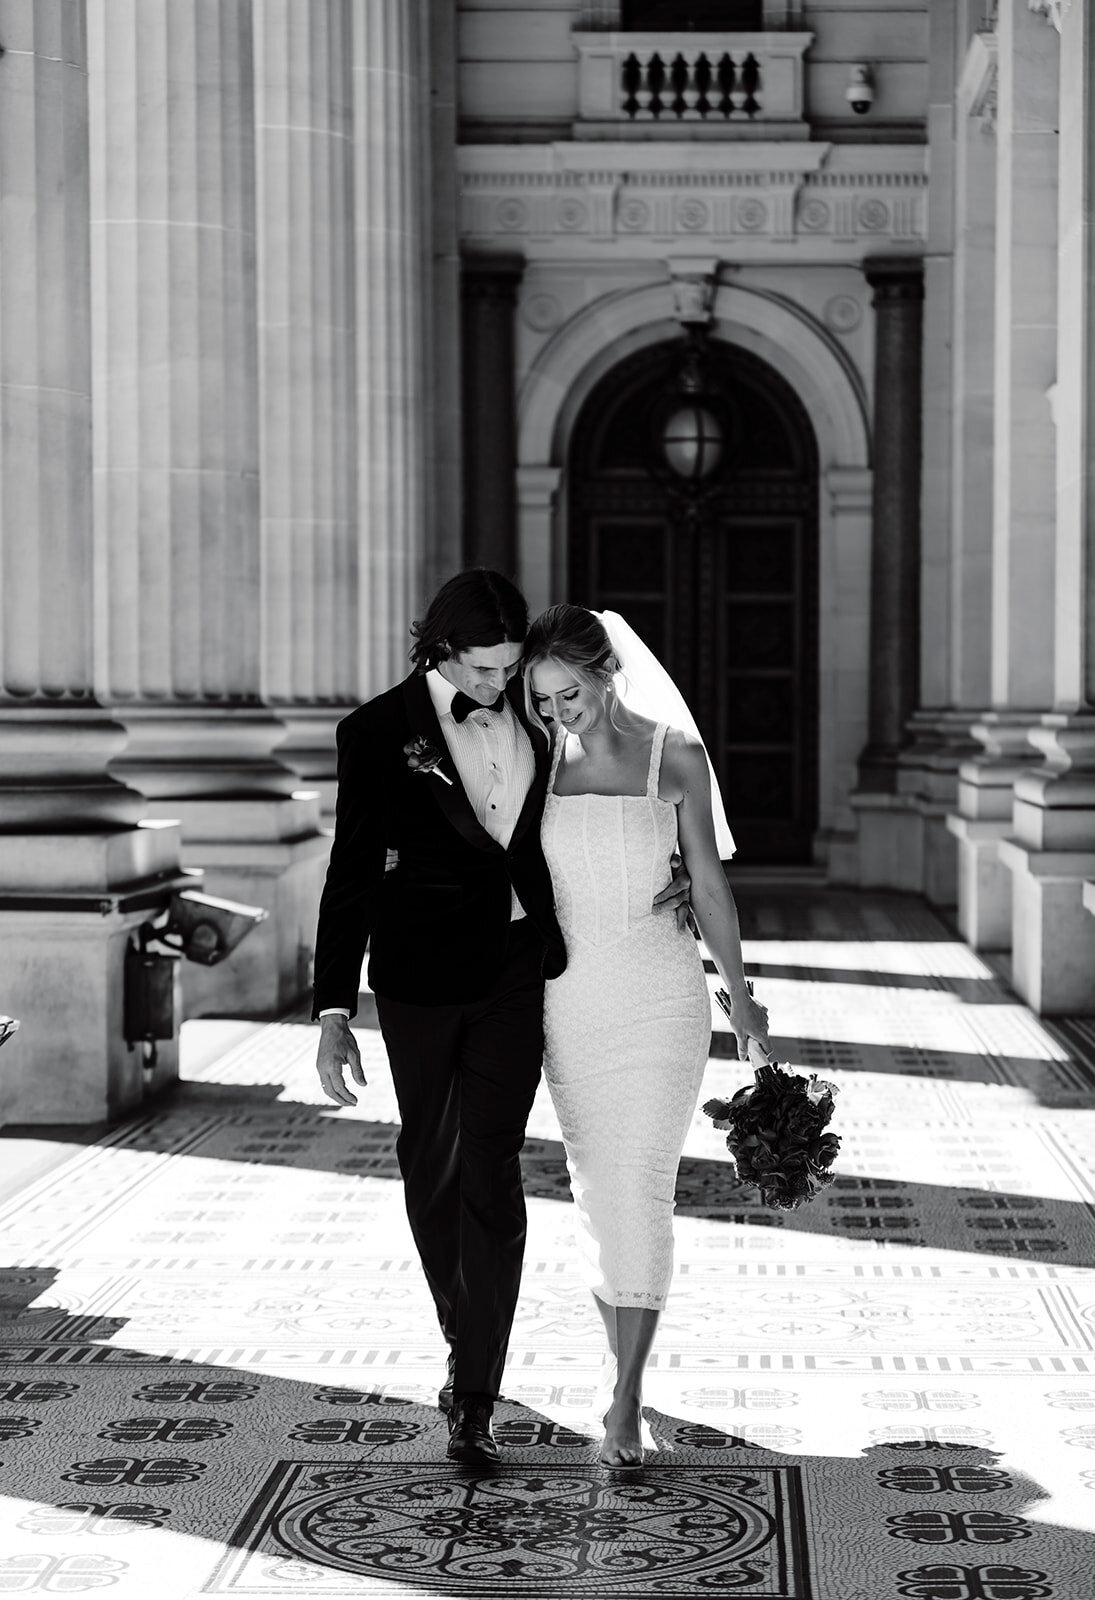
[675, 896]
[749, 1020]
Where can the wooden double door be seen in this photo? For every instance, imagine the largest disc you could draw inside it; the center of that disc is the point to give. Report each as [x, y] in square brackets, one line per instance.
[726, 597]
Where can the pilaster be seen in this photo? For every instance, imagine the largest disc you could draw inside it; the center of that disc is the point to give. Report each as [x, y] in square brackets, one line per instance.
[537, 507]
[1052, 852]
[389, 57]
[73, 859]
[489, 290]
[307, 375]
[887, 825]
[176, 456]
[1006, 337]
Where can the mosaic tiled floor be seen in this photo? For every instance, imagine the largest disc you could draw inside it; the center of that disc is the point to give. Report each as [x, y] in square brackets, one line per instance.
[218, 1355]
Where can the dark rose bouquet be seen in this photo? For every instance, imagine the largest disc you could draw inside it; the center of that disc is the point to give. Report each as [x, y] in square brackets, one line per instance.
[775, 1132]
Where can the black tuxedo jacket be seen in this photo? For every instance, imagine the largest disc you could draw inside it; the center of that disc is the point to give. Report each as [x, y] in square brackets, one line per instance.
[437, 926]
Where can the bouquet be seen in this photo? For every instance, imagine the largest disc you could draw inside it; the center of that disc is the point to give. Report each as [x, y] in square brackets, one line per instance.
[775, 1131]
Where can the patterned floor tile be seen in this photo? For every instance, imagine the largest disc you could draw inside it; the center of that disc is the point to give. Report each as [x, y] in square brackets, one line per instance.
[218, 1359]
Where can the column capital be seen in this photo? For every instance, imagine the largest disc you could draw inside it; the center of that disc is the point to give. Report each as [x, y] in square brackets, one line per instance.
[895, 278]
[492, 276]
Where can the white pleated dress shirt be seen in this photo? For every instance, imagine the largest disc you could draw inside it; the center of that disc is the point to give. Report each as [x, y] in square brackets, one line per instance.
[493, 755]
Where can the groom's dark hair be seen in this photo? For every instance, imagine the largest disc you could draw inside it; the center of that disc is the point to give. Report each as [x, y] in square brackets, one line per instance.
[476, 609]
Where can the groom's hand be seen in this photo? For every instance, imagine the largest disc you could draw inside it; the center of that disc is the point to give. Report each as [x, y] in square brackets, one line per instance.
[676, 895]
[338, 1050]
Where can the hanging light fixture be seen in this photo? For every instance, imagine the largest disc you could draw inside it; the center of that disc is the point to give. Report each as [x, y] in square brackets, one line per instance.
[688, 424]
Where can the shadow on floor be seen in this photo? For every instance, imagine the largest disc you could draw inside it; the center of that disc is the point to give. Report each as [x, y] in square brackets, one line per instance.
[271, 1478]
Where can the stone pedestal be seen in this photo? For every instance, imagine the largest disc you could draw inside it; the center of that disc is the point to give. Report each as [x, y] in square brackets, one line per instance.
[263, 852]
[490, 411]
[76, 871]
[71, 904]
[982, 821]
[254, 833]
[180, 573]
[1050, 856]
[929, 776]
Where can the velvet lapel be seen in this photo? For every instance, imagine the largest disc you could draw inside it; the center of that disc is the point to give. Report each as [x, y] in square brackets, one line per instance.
[541, 751]
[451, 797]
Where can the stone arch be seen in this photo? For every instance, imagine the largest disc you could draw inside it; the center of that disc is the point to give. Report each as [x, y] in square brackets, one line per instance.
[785, 336]
[781, 333]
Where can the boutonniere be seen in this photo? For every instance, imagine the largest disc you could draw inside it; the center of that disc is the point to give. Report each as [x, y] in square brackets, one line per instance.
[422, 757]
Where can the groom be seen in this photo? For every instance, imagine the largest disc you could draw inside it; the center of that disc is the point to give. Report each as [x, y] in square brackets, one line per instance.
[443, 770]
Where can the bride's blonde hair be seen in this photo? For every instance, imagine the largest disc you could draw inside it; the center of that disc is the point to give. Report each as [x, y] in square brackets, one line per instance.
[577, 640]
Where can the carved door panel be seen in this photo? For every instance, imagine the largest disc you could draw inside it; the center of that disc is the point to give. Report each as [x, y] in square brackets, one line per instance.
[728, 601]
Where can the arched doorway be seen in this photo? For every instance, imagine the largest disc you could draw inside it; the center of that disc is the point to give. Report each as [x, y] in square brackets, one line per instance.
[730, 601]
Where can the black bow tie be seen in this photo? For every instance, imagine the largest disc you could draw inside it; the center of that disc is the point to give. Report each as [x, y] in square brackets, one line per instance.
[463, 705]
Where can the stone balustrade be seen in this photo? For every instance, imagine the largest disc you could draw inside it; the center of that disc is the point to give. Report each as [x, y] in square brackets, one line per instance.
[684, 83]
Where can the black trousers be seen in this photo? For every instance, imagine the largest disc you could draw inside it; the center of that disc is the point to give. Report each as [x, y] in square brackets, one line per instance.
[465, 1078]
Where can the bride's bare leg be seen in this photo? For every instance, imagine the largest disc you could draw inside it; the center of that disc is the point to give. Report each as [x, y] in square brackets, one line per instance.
[635, 1330]
[608, 1317]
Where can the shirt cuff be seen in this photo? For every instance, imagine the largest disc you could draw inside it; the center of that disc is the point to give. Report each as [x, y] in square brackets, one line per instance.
[336, 1011]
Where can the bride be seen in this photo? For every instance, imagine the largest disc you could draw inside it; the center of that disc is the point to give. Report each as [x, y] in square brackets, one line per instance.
[628, 1024]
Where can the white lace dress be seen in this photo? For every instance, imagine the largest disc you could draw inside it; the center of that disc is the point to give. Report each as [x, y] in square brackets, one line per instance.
[627, 1029]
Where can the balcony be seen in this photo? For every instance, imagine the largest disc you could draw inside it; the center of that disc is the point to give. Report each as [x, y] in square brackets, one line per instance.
[691, 85]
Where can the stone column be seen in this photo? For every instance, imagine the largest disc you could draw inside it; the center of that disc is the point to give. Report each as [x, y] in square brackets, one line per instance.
[73, 861]
[1052, 851]
[307, 377]
[490, 411]
[1012, 86]
[538, 575]
[444, 533]
[176, 440]
[982, 816]
[895, 544]
[389, 59]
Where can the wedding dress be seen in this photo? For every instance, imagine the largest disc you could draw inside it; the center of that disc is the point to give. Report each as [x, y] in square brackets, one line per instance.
[627, 1028]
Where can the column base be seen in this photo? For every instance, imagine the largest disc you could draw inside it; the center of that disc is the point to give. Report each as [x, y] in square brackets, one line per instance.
[310, 750]
[268, 853]
[70, 905]
[1053, 936]
[889, 850]
[984, 883]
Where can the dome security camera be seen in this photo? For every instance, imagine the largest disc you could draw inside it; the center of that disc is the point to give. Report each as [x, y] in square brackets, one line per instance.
[860, 92]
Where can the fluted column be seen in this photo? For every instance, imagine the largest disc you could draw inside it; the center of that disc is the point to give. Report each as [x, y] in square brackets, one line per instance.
[489, 287]
[307, 380]
[1052, 851]
[1024, 442]
[175, 391]
[390, 110]
[895, 544]
[70, 850]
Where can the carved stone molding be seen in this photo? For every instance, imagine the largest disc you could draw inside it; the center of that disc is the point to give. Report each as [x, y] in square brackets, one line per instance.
[836, 202]
[694, 286]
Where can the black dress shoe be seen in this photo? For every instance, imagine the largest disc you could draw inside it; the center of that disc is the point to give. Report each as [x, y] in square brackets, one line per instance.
[471, 1438]
[444, 1394]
